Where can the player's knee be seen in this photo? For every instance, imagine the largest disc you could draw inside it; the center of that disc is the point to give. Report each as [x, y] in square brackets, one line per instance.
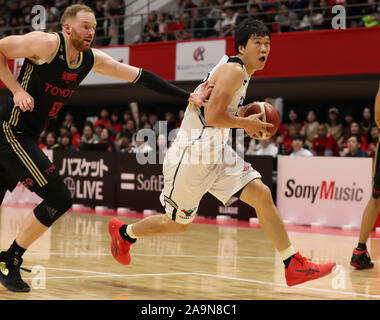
[173, 226]
[57, 201]
[256, 193]
[182, 228]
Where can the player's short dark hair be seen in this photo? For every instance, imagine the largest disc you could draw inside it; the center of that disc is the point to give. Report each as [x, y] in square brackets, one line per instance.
[248, 28]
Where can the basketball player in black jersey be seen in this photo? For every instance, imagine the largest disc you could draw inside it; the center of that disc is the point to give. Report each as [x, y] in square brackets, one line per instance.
[54, 66]
[360, 258]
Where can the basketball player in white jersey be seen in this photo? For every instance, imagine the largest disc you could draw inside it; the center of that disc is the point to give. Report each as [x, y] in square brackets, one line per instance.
[200, 161]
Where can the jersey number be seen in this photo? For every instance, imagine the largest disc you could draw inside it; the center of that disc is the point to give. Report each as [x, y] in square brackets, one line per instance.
[55, 108]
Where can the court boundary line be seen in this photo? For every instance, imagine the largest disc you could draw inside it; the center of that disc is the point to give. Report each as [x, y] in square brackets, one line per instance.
[99, 274]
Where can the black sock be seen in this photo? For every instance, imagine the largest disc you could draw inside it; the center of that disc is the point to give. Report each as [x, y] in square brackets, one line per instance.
[361, 246]
[124, 235]
[14, 250]
[287, 261]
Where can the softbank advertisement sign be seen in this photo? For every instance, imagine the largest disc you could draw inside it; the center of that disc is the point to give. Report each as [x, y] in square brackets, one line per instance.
[332, 191]
[194, 59]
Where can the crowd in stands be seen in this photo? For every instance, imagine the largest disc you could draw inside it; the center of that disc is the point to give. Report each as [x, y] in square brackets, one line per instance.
[116, 131]
[338, 136]
[219, 18]
[192, 19]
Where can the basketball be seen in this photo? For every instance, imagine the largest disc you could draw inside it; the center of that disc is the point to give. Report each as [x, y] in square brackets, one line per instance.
[271, 115]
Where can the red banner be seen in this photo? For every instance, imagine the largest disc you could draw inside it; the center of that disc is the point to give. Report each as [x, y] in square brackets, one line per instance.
[293, 54]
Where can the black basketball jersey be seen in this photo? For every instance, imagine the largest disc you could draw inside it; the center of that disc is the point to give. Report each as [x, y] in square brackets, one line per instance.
[51, 84]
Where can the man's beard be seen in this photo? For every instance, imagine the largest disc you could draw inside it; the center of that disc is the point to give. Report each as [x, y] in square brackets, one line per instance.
[77, 44]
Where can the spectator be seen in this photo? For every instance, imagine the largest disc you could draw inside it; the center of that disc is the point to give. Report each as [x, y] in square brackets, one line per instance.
[203, 26]
[241, 15]
[325, 9]
[226, 25]
[151, 31]
[309, 129]
[292, 118]
[68, 120]
[65, 143]
[371, 17]
[62, 130]
[115, 124]
[76, 136]
[334, 125]
[267, 148]
[123, 142]
[293, 129]
[298, 142]
[163, 26]
[98, 130]
[50, 141]
[324, 144]
[188, 8]
[372, 140]
[287, 20]
[312, 19]
[106, 140]
[356, 129]
[353, 147]
[114, 11]
[104, 119]
[88, 133]
[367, 120]
[100, 34]
[255, 12]
[153, 119]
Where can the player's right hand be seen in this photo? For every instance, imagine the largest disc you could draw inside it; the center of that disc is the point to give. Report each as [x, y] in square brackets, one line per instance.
[256, 128]
[23, 100]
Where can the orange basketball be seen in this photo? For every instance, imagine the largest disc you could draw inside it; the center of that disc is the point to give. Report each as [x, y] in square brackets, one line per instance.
[271, 115]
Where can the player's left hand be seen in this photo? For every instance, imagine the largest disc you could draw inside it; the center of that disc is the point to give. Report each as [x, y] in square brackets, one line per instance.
[200, 98]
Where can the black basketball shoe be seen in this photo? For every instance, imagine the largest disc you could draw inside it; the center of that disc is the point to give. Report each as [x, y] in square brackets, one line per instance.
[10, 274]
[361, 259]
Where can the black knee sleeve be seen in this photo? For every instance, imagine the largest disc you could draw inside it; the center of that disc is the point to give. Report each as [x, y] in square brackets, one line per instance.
[57, 200]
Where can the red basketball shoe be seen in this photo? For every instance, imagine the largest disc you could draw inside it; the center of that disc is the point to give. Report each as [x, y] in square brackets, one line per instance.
[119, 246]
[301, 270]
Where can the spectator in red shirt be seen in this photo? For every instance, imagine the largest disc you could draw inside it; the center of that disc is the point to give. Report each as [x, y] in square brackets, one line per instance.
[104, 119]
[324, 144]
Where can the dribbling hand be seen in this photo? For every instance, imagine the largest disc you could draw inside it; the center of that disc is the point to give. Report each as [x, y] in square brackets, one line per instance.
[23, 100]
[256, 128]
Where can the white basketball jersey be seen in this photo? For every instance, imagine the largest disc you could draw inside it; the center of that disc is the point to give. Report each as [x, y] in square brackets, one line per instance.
[194, 128]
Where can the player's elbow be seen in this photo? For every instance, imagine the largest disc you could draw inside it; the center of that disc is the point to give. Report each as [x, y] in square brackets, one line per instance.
[213, 119]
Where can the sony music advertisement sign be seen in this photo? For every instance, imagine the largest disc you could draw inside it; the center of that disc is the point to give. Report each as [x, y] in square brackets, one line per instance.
[194, 59]
[88, 175]
[332, 191]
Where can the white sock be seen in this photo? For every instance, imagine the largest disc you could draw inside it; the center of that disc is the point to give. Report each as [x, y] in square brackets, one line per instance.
[287, 253]
[130, 232]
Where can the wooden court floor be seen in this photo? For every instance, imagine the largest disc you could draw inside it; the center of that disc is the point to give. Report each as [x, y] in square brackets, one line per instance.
[73, 261]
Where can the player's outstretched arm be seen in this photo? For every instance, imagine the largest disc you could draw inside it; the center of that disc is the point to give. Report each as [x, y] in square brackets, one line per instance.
[106, 65]
[34, 45]
[377, 107]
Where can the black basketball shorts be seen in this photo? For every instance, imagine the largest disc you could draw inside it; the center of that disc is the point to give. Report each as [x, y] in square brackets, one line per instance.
[22, 160]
